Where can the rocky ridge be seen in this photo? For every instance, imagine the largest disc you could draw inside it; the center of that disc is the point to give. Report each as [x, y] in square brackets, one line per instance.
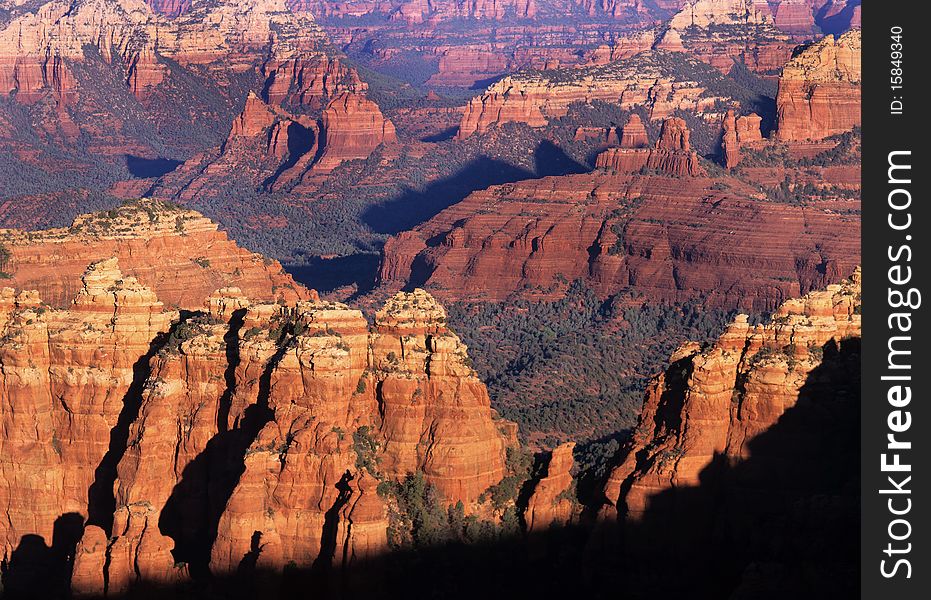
[534, 98]
[178, 253]
[742, 446]
[271, 148]
[199, 437]
[35, 47]
[669, 239]
[819, 90]
[673, 154]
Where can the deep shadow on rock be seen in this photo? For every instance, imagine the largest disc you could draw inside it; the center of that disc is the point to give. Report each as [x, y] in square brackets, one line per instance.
[778, 524]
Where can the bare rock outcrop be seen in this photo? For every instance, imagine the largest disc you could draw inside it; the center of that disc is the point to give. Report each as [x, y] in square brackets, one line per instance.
[352, 126]
[177, 252]
[712, 403]
[819, 90]
[634, 133]
[194, 440]
[667, 237]
[672, 154]
[553, 499]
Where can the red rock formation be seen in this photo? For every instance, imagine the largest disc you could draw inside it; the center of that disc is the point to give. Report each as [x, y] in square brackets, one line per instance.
[837, 16]
[36, 44]
[178, 253]
[672, 154]
[626, 46]
[61, 393]
[254, 119]
[646, 80]
[308, 80]
[421, 360]
[819, 90]
[742, 444]
[270, 148]
[352, 126]
[634, 134]
[606, 136]
[244, 418]
[170, 8]
[674, 135]
[730, 144]
[721, 31]
[749, 129]
[714, 402]
[794, 16]
[552, 501]
[668, 238]
[738, 132]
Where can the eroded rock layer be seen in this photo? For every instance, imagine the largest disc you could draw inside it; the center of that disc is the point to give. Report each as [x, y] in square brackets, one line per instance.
[660, 81]
[667, 238]
[819, 90]
[242, 433]
[176, 252]
[742, 455]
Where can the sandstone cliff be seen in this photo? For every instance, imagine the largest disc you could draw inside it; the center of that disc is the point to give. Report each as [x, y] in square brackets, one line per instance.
[36, 46]
[736, 132]
[352, 127]
[654, 80]
[271, 148]
[667, 238]
[176, 252]
[742, 458]
[714, 401]
[553, 500]
[721, 31]
[819, 90]
[672, 154]
[173, 443]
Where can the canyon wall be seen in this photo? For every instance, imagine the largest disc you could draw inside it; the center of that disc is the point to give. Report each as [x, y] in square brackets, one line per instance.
[666, 238]
[654, 80]
[819, 90]
[178, 253]
[742, 455]
[36, 47]
[172, 443]
[672, 155]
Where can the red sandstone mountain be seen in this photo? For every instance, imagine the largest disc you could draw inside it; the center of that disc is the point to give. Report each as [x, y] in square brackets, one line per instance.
[666, 238]
[736, 132]
[660, 81]
[731, 392]
[819, 90]
[552, 501]
[719, 32]
[97, 83]
[130, 34]
[741, 458]
[271, 148]
[175, 252]
[634, 134]
[168, 430]
[352, 127]
[673, 154]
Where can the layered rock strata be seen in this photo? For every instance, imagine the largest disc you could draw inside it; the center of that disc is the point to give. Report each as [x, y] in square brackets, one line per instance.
[819, 90]
[728, 394]
[673, 154]
[176, 252]
[667, 238]
[553, 499]
[534, 98]
[36, 46]
[243, 433]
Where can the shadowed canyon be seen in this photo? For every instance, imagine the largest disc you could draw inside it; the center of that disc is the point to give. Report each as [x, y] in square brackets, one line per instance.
[394, 298]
